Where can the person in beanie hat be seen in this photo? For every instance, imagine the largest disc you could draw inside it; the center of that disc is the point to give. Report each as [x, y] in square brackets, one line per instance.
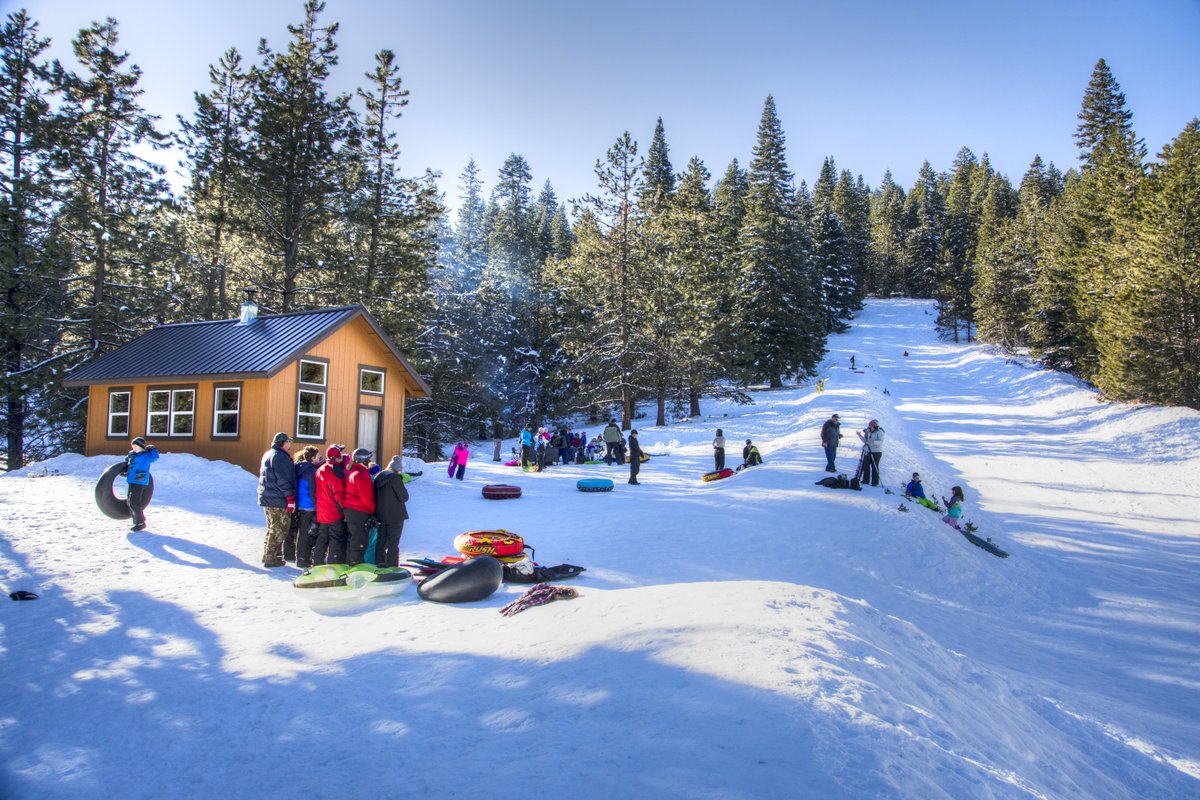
[391, 495]
[831, 434]
[277, 496]
[330, 547]
[137, 479]
[872, 438]
[719, 450]
[750, 456]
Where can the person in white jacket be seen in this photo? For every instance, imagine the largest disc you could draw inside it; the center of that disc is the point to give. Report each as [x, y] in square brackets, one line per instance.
[872, 439]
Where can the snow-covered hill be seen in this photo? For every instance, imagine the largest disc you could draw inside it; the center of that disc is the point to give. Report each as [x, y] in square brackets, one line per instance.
[758, 637]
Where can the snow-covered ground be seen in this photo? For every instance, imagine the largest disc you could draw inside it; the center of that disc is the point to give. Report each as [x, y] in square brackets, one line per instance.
[758, 637]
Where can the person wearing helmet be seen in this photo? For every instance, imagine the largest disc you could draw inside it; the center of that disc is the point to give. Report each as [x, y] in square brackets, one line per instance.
[277, 496]
[330, 546]
[360, 505]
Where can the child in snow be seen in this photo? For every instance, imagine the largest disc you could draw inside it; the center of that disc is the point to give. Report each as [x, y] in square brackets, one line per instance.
[137, 478]
[719, 450]
[458, 461]
[914, 487]
[954, 506]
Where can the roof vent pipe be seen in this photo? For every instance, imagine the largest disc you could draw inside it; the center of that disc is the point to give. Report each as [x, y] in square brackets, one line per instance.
[249, 309]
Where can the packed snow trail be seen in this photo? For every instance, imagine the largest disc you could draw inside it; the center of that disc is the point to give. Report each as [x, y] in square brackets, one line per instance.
[755, 637]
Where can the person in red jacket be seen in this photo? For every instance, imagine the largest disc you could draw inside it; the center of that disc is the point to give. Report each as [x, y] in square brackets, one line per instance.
[360, 505]
[330, 547]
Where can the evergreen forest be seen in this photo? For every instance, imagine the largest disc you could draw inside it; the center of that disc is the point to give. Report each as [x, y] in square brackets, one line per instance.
[668, 284]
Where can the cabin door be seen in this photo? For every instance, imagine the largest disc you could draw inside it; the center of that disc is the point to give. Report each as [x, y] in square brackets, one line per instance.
[368, 432]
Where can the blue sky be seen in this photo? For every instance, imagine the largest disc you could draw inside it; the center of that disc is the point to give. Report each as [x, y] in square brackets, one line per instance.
[877, 85]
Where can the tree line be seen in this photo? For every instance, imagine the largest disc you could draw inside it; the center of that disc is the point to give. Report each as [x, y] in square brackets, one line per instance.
[660, 288]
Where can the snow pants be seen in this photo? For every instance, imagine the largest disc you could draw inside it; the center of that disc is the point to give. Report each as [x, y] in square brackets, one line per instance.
[387, 544]
[357, 535]
[719, 458]
[330, 547]
[135, 498]
[870, 472]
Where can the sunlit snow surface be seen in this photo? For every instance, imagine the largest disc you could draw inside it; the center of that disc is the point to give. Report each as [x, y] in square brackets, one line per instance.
[758, 637]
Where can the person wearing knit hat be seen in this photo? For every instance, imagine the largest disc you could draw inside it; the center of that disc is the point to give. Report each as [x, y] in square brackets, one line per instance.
[635, 457]
[872, 439]
[831, 434]
[330, 544]
[277, 496]
[137, 479]
[391, 495]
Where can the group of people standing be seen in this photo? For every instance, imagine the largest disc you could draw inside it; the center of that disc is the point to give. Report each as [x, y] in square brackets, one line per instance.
[872, 439]
[320, 510]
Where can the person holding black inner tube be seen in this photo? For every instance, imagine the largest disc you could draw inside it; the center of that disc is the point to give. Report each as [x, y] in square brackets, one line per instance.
[137, 477]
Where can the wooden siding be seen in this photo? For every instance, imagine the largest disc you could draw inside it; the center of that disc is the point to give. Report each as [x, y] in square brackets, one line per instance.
[269, 405]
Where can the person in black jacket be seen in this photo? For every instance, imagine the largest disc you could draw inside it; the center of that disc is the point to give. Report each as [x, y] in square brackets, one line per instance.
[390, 497]
[831, 434]
[635, 457]
[277, 496]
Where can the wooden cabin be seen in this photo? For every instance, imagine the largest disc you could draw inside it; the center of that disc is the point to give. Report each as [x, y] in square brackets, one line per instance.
[221, 390]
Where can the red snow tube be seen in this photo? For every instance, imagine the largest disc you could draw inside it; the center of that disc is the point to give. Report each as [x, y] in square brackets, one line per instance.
[716, 476]
[489, 543]
[501, 491]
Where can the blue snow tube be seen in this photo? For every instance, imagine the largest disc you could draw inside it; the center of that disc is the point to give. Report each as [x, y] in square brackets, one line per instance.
[106, 498]
[594, 485]
[474, 579]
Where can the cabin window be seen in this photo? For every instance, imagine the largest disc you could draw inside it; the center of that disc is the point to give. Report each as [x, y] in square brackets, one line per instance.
[171, 412]
[310, 399]
[313, 372]
[227, 410]
[118, 413]
[370, 381]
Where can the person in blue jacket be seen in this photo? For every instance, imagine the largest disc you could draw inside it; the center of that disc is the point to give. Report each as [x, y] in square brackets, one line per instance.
[300, 542]
[137, 476]
[914, 487]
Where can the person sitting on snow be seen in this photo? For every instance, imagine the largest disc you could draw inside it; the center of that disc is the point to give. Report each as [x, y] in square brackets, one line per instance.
[914, 488]
[750, 456]
[954, 506]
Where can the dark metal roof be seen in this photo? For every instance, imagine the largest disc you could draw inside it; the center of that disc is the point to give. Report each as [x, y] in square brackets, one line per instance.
[225, 348]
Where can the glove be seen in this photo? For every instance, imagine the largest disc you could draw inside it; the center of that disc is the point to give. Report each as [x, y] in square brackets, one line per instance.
[291, 504]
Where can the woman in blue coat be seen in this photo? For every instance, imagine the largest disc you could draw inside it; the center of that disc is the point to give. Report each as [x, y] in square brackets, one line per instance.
[137, 476]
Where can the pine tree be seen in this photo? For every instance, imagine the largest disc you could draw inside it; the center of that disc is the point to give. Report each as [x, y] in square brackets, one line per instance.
[111, 190]
[296, 170]
[30, 275]
[852, 206]
[213, 142]
[1009, 258]
[925, 219]
[605, 341]
[1161, 334]
[777, 306]
[1087, 255]
[952, 289]
[393, 219]
[885, 267]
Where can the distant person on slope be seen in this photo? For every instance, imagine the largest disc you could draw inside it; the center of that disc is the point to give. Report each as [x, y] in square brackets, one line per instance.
[750, 456]
[137, 479]
[635, 458]
[719, 450]
[954, 506]
[872, 439]
[611, 436]
[831, 434]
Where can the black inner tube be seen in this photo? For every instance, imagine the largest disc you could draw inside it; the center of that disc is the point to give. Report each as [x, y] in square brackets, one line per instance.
[107, 500]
